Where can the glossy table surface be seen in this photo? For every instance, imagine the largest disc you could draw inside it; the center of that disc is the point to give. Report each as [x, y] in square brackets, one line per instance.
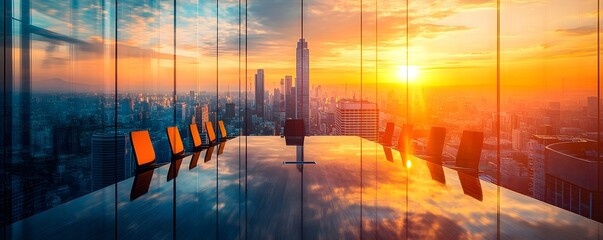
[357, 189]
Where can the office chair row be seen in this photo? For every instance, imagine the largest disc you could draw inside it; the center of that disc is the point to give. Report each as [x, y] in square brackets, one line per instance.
[144, 152]
[467, 157]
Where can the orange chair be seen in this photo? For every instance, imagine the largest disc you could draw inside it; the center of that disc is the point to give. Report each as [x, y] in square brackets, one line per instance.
[197, 143]
[211, 133]
[223, 133]
[175, 141]
[194, 131]
[143, 150]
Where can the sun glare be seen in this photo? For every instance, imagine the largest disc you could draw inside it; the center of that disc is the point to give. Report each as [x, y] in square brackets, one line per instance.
[413, 73]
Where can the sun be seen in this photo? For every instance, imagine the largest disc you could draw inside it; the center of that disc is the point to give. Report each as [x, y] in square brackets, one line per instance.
[413, 73]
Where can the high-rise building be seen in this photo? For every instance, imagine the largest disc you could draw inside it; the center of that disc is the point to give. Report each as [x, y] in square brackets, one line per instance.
[108, 163]
[519, 139]
[357, 118]
[230, 111]
[181, 111]
[289, 97]
[302, 83]
[567, 164]
[191, 100]
[201, 115]
[259, 93]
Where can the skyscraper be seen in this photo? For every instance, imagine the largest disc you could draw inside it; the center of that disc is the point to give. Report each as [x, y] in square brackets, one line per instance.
[230, 111]
[289, 97]
[302, 83]
[259, 93]
[108, 163]
[201, 116]
[357, 118]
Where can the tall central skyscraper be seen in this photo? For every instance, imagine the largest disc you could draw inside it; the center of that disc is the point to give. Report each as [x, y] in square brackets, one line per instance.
[259, 93]
[302, 83]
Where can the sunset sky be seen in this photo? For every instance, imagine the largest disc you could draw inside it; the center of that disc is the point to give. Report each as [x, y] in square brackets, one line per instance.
[543, 43]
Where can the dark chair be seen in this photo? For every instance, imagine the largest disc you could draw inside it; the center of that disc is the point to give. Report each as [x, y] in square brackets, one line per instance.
[294, 132]
[143, 150]
[405, 139]
[386, 139]
[175, 142]
[470, 151]
[435, 145]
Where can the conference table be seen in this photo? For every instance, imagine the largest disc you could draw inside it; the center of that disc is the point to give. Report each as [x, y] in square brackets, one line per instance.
[331, 187]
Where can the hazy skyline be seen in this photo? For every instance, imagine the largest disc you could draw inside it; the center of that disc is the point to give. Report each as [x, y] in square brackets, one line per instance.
[542, 42]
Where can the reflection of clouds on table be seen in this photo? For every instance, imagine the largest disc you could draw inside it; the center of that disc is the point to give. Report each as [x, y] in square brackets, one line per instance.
[352, 190]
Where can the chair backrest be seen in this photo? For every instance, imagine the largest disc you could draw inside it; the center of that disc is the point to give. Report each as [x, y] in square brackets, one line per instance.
[405, 139]
[211, 133]
[294, 128]
[388, 134]
[470, 150]
[222, 128]
[143, 147]
[435, 144]
[175, 140]
[194, 130]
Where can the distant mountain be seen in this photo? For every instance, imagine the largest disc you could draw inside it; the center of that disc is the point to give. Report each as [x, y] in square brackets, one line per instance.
[60, 85]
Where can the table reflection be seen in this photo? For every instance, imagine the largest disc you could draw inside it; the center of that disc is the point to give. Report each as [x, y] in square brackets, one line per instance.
[141, 183]
[471, 184]
[252, 194]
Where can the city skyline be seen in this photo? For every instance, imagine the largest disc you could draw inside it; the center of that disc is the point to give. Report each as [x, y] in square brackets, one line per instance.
[79, 79]
[474, 60]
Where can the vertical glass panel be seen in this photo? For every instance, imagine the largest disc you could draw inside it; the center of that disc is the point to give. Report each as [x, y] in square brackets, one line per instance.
[332, 33]
[145, 101]
[63, 146]
[196, 192]
[273, 30]
[4, 132]
[550, 105]
[370, 109]
[229, 81]
[452, 81]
